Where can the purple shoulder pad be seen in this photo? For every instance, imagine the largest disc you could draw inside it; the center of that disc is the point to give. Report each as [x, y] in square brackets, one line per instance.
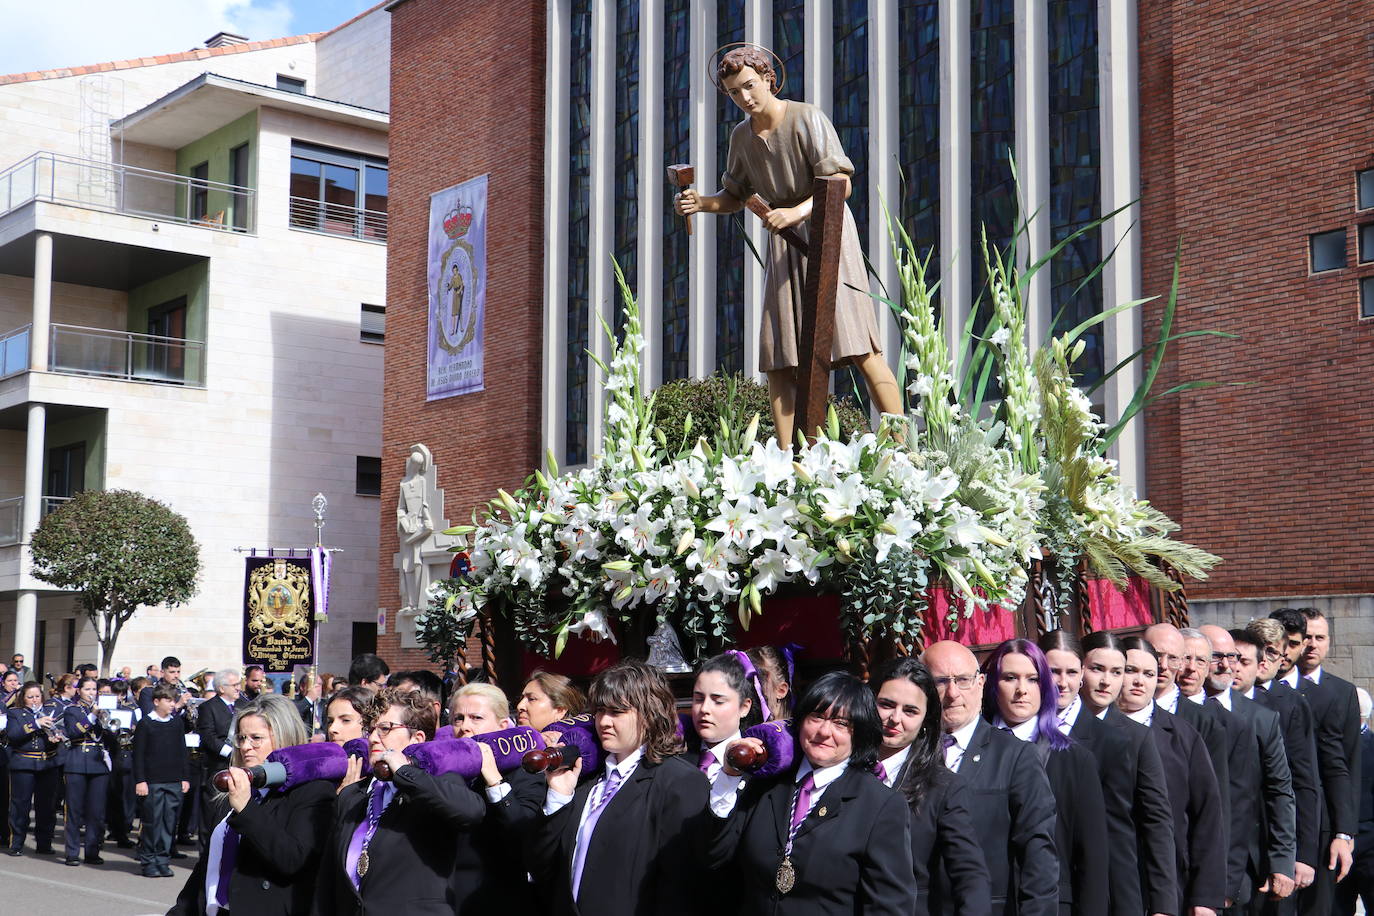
[449, 755]
[357, 747]
[579, 732]
[684, 725]
[307, 762]
[782, 748]
[509, 745]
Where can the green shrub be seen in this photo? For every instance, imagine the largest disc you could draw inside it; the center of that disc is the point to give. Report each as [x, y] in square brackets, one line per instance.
[737, 399]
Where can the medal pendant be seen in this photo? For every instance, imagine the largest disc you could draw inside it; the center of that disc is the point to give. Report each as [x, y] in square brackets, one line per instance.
[787, 875]
[362, 863]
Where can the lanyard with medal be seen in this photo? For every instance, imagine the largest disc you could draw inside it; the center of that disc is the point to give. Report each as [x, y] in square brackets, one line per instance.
[374, 816]
[787, 875]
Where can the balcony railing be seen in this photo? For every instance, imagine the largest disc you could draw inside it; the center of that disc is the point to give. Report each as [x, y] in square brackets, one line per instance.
[14, 352]
[338, 219]
[128, 190]
[12, 516]
[124, 355]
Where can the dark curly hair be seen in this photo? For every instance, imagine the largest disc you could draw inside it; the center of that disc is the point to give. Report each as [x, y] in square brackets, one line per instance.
[633, 684]
[417, 712]
[736, 59]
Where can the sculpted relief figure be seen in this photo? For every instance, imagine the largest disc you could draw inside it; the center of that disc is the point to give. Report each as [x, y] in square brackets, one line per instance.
[415, 515]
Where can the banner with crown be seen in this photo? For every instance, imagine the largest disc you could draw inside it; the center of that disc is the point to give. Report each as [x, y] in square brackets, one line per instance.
[457, 274]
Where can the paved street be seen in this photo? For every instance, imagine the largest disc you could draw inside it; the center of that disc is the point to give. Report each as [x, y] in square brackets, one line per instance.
[42, 886]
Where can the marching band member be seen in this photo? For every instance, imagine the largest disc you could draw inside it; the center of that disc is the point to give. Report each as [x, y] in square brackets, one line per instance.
[546, 698]
[87, 775]
[910, 761]
[825, 837]
[621, 844]
[33, 739]
[393, 845]
[263, 855]
[1019, 697]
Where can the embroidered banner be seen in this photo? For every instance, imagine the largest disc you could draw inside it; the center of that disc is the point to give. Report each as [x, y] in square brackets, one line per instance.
[457, 281]
[278, 613]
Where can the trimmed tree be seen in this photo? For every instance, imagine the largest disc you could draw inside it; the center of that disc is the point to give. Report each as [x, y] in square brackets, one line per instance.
[119, 551]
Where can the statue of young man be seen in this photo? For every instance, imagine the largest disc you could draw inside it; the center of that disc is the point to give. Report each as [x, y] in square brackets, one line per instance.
[775, 153]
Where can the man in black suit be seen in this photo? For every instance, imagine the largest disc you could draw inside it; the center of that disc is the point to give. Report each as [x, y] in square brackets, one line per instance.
[1336, 726]
[214, 718]
[254, 680]
[1012, 805]
[1360, 883]
[1263, 820]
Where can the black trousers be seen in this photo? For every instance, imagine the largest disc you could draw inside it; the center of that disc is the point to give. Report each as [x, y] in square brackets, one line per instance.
[120, 803]
[159, 814]
[1358, 885]
[1318, 898]
[86, 808]
[4, 802]
[36, 790]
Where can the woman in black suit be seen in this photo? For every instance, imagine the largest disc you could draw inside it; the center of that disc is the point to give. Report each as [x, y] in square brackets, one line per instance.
[262, 858]
[622, 844]
[1019, 695]
[826, 837]
[951, 873]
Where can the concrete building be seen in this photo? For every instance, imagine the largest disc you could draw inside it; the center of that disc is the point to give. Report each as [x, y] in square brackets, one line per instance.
[574, 107]
[192, 264]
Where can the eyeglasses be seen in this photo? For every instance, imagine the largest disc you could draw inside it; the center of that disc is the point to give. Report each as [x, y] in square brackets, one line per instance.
[1225, 657]
[386, 728]
[251, 740]
[962, 681]
[1190, 661]
[1271, 653]
[1172, 662]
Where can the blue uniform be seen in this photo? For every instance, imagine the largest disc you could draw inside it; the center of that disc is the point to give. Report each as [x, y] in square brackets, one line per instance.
[87, 771]
[33, 778]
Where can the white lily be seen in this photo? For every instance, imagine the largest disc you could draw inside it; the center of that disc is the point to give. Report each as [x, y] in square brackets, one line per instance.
[595, 625]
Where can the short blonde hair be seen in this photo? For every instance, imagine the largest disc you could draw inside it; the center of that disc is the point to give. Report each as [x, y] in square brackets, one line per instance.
[495, 697]
[1268, 630]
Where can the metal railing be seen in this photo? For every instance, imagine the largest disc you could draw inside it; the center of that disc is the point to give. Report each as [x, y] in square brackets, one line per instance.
[125, 355]
[52, 503]
[337, 219]
[14, 351]
[11, 521]
[129, 190]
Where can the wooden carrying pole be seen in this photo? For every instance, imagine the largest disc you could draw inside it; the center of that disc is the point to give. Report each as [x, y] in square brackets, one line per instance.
[818, 302]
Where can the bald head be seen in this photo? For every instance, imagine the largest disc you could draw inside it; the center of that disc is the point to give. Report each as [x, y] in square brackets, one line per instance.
[1223, 669]
[951, 663]
[1169, 646]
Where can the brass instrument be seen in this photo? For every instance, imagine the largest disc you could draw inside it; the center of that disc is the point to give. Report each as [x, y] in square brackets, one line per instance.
[55, 734]
[102, 717]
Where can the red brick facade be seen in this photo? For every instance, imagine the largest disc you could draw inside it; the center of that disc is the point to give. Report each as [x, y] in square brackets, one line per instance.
[467, 98]
[1254, 119]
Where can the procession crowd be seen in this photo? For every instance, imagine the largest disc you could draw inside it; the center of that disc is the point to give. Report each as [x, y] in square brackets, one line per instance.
[1182, 772]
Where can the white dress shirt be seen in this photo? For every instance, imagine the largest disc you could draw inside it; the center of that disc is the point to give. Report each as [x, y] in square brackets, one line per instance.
[1026, 731]
[1224, 698]
[554, 801]
[1144, 716]
[954, 754]
[724, 787]
[1168, 701]
[1291, 678]
[892, 766]
[1316, 675]
[1070, 715]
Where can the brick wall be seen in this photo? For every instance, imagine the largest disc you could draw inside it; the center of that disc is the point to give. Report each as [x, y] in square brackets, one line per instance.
[467, 98]
[1254, 120]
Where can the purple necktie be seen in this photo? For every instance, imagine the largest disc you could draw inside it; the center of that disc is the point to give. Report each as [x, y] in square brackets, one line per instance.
[584, 833]
[228, 853]
[708, 760]
[803, 805]
[880, 771]
[364, 833]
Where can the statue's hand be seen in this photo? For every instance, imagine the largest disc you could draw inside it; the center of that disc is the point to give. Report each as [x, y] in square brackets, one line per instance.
[688, 202]
[782, 218]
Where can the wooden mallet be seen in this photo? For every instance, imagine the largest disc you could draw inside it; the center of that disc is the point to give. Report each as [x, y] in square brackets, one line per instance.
[680, 177]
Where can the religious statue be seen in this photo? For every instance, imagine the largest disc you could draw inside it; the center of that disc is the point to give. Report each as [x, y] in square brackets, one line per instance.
[415, 525]
[776, 152]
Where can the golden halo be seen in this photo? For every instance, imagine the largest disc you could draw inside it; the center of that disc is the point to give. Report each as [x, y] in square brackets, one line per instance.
[713, 64]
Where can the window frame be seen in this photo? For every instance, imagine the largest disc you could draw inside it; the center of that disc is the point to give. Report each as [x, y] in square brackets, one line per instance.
[312, 214]
[1312, 237]
[360, 471]
[372, 337]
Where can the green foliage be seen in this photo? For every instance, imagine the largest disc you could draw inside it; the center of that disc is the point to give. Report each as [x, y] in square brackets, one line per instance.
[119, 551]
[687, 408]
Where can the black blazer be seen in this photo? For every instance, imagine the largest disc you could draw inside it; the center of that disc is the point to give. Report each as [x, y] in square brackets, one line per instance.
[1199, 827]
[641, 858]
[489, 873]
[412, 855]
[213, 718]
[1267, 834]
[1140, 823]
[1336, 725]
[1014, 817]
[852, 854]
[943, 839]
[282, 836]
[1212, 723]
[1080, 832]
[1364, 841]
[1295, 717]
[309, 710]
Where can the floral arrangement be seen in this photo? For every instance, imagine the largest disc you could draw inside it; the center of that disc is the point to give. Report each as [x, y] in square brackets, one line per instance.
[698, 533]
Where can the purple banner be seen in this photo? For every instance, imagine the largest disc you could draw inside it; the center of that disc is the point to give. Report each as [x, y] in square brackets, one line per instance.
[457, 277]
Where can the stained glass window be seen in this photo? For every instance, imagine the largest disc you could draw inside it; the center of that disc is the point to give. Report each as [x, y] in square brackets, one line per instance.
[677, 106]
[992, 138]
[626, 150]
[730, 245]
[1075, 173]
[918, 88]
[579, 226]
[789, 43]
